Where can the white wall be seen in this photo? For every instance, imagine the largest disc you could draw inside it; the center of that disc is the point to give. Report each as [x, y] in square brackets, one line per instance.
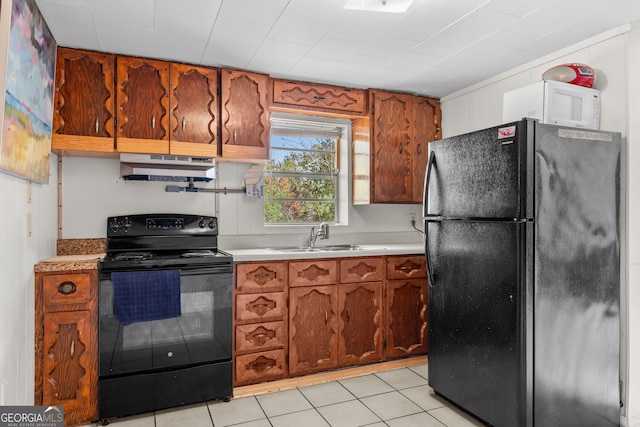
[616, 58]
[92, 191]
[18, 254]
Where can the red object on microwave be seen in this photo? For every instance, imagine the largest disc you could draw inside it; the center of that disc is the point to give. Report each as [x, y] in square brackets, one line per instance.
[577, 74]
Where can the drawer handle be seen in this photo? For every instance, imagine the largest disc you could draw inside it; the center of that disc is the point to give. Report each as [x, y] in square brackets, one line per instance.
[67, 288]
[318, 97]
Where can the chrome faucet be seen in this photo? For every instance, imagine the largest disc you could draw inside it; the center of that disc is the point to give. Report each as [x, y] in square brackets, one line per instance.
[323, 234]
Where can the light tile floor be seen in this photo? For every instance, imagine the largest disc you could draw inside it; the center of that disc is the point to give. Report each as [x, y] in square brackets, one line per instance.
[394, 398]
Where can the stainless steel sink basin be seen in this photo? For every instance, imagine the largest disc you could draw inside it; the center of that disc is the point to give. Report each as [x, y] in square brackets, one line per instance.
[332, 248]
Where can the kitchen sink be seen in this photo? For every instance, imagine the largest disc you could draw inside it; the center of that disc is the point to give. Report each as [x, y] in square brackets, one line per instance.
[332, 248]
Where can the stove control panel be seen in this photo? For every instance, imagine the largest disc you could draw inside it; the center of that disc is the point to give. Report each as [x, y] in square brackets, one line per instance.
[161, 225]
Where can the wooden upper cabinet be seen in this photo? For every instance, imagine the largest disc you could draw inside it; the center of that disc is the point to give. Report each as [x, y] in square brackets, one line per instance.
[401, 127]
[194, 110]
[391, 142]
[287, 93]
[427, 120]
[83, 116]
[143, 106]
[245, 115]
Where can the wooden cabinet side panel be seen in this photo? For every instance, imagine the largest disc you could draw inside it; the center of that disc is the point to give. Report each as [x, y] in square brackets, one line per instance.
[312, 273]
[194, 109]
[313, 329]
[360, 323]
[426, 128]
[407, 317]
[392, 141]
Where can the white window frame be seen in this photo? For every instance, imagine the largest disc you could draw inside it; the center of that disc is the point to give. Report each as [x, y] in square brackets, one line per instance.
[343, 187]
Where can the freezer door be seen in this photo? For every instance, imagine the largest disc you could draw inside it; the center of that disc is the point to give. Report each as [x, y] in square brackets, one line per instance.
[480, 174]
[577, 278]
[476, 318]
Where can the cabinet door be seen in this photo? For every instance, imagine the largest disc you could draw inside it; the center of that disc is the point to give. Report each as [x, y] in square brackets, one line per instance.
[261, 307]
[426, 128]
[70, 365]
[143, 106]
[318, 96]
[360, 323]
[361, 269]
[83, 114]
[406, 317]
[406, 267]
[391, 147]
[259, 367]
[311, 273]
[245, 115]
[194, 110]
[261, 277]
[313, 329]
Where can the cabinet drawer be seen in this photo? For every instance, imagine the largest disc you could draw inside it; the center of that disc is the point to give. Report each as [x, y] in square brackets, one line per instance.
[319, 96]
[361, 270]
[261, 277]
[260, 336]
[311, 273]
[62, 289]
[260, 307]
[258, 367]
[406, 267]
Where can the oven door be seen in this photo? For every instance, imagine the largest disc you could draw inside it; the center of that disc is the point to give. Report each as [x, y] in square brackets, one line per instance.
[200, 334]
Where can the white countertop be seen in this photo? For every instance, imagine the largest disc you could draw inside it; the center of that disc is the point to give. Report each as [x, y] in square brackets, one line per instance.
[258, 254]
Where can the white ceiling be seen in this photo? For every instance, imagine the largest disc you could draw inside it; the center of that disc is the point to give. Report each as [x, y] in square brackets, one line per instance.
[435, 48]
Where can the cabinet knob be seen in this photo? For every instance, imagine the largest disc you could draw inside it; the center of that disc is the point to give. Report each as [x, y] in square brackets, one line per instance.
[67, 288]
[419, 149]
[153, 121]
[183, 125]
[97, 125]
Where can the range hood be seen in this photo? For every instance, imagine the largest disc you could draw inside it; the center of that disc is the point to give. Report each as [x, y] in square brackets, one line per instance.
[165, 167]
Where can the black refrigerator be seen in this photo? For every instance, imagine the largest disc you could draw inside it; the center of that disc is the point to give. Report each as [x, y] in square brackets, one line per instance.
[523, 253]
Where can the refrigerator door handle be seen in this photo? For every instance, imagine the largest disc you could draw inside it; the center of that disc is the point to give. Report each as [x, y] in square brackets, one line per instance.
[425, 212]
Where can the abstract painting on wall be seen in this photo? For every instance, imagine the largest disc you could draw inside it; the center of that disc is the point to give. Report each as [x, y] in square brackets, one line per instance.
[27, 72]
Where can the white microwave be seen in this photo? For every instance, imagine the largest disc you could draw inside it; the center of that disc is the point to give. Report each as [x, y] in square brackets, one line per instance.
[555, 103]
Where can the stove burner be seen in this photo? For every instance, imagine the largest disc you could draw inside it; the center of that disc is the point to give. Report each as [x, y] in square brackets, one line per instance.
[198, 254]
[133, 256]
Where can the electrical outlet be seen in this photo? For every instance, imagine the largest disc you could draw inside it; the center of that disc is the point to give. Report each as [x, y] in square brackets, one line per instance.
[413, 218]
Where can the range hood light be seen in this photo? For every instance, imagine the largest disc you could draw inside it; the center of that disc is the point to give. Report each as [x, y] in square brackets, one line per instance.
[157, 167]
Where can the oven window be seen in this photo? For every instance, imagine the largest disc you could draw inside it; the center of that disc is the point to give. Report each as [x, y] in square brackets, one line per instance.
[200, 334]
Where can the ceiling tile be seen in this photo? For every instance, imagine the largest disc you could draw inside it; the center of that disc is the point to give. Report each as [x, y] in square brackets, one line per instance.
[518, 8]
[444, 44]
[188, 22]
[543, 21]
[412, 62]
[480, 23]
[298, 30]
[66, 16]
[124, 13]
[274, 51]
[499, 43]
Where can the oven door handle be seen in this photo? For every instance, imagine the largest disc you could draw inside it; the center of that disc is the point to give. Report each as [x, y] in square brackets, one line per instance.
[205, 270]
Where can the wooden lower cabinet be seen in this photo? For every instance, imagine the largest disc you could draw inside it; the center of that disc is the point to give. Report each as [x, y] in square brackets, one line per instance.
[66, 344]
[313, 329]
[305, 316]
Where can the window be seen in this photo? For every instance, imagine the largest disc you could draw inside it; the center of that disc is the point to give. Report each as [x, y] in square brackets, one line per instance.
[303, 175]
